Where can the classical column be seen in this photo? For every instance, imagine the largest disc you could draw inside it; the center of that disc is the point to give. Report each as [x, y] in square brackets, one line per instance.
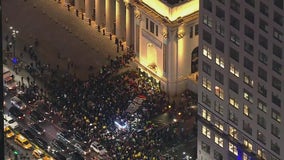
[120, 19]
[110, 15]
[172, 67]
[89, 7]
[79, 5]
[129, 25]
[100, 12]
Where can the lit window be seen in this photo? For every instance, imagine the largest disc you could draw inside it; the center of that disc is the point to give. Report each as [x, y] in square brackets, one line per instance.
[261, 106]
[233, 102]
[219, 140]
[220, 61]
[248, 80]
[247, 144]
[206, 115]
[206, 131]
[248, 96]
[207, 52]
[233, 149]
[247, 111]
[234, 70]
[261, 154]
[245, 156]
[219, 125]
[233, 132]
[206, 83]
[235, 39]
[275, 115]
[207, 21]
[219, 92]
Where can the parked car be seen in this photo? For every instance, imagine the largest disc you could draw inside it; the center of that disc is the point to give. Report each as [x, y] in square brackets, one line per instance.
[9, 121]
[16, 112]
[64, 137]
[98, 148]
[17, 102]
[38, 153]
[59, 145]
[38, 129]
[41, 143]
[23, 141]
[9, 132]
[82, 149]
[28, 134]
[37, 117]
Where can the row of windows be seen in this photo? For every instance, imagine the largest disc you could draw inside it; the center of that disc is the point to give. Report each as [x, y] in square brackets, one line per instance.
[150, 25]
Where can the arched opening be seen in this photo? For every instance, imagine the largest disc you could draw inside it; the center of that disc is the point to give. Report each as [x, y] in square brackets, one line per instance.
[194, 60]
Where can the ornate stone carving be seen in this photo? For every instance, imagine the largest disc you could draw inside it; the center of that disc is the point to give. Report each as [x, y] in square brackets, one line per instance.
[180, 34]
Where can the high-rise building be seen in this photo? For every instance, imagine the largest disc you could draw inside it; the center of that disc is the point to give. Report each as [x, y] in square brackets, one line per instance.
[241, 80]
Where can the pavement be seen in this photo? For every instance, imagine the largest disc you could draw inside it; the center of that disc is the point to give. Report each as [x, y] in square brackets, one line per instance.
[58, 31]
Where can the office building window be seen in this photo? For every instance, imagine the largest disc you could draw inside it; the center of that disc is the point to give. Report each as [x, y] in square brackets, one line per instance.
[218, 124]
[261, 137]
[261, 154]
[277, 35]
[221, 1]
[248, 48]
[263, 41]
[276, 100]
[263, 9]
[235, 39]
[278, 3]
[207, 52]
[233, 118]
[219, 77]
[233, 102]
[218, 155]
[152, 27]
[207, 21]
[207, 4]
[277, 67]
[235, 6]
[248, 80]
[246, 127]
[262, 74]
[219, 92]
[220, 28]
[233, 149]
[248, 145]
[233, 86]
[220, 61]
[219, 140]
[261, 121]
[233, 132]
[206, 99]
[249, 16]
[262, 57]
[205, 147]
[219, 45]
[275, 115]
[234, 54]
[206, 115]
[275, 131]
[218, 108]
[249, 32]
[206, 68]
[220, 13]
[277, 51]
[263, 25]
[235, 22]
[206, 83]
[206, 132]
[278, 18]
[276, 83]
[248, 96]
[262, 90]
[250, 2]
[207, 36]
[196, 29]
[247, 111]
[157, 30]
[248, 64]
[191, 32]
[261, 105]
[234, 70]
[275, 147]
[147, 23]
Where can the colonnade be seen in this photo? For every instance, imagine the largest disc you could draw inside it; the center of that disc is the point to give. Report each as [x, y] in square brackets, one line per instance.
[116, 16]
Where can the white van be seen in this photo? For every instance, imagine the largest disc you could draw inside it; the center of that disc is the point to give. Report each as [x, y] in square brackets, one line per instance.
[9, 121]
[8, 81]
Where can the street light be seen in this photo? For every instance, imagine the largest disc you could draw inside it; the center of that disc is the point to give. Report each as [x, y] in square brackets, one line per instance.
[14, 36]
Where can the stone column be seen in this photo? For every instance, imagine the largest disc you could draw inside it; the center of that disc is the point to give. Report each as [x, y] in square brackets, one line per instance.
[172, 67]
[89, 7]
[129, 25]
[110, 15]
[100, 12]
[120, 19]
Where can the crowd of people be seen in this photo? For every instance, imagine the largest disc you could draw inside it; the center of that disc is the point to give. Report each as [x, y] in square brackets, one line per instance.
[92, 106]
